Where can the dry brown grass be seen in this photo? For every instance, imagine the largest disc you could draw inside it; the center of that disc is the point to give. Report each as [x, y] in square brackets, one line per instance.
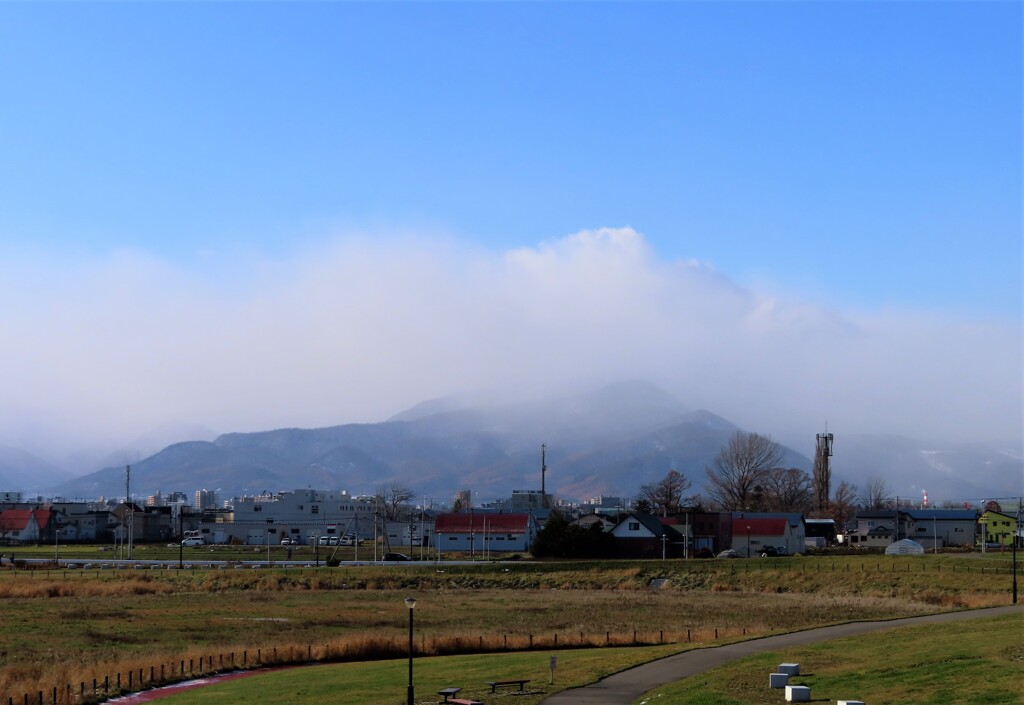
[70, 629]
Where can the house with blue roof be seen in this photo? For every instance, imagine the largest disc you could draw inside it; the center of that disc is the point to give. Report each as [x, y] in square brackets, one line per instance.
[943, 527]
[932, 528]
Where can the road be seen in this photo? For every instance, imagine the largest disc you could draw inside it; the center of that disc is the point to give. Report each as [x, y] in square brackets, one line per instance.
[625, 687]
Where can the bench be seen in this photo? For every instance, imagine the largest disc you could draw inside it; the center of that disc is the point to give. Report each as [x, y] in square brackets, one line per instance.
[448, 692]
[514, 681]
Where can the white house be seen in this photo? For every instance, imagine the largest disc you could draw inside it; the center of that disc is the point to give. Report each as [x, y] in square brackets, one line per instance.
[484, 533]
[753, 534]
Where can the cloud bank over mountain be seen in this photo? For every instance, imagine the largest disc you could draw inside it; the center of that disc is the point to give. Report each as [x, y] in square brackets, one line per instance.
[361, 326]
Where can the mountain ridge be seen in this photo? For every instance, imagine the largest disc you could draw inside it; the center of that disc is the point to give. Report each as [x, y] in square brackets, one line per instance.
[609, 440]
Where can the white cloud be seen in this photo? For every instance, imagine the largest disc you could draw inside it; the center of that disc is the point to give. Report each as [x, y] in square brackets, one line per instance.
[361, 327]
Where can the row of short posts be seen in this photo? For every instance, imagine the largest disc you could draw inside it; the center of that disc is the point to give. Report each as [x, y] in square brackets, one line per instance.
[796, 693]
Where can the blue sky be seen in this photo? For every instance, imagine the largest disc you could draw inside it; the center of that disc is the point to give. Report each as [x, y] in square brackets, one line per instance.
[864, 157]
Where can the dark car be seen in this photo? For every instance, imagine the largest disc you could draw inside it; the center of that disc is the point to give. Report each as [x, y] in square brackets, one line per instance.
[396, 557]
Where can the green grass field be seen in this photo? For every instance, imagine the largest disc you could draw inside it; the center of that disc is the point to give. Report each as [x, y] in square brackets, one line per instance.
[384, 682]
[969, 663]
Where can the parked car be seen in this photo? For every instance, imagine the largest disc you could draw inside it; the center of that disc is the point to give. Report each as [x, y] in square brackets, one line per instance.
[769, 552]
[192, 541]
[728, 553]
[396, 557]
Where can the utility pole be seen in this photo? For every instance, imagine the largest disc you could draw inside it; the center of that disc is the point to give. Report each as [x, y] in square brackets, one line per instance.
[128, 507]
[181, 536]
[1014, 538]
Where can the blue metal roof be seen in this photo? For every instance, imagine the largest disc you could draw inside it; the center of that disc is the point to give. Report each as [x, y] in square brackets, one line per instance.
[947, 514]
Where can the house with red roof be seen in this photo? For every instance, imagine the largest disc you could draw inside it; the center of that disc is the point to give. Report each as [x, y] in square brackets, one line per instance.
[752, 534]
[483, 533]
[25, 525]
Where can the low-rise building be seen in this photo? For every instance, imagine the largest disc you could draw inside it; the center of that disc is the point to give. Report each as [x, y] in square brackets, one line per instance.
[26, 525]
[996, 527]
[477, 532]
[758, 534]
[642, 535]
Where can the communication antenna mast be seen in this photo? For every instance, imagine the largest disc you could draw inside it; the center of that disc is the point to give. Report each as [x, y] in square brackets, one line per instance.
[543, 467]
[822, 469]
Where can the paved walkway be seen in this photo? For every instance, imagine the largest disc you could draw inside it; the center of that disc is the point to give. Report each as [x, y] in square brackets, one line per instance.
[625, 687]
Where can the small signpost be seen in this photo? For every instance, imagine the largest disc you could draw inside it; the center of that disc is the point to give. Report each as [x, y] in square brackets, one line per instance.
[553, 663]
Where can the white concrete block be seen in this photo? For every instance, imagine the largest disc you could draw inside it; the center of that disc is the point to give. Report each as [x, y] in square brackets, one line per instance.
[792, 669]
[850, 702]
[778, 680]
[798, 694]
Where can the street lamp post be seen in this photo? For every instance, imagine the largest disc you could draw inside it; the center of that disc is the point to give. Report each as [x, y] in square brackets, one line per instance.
[181, 537]
[410, 602]
[1016, 535]
[56, 555]
[268, 548]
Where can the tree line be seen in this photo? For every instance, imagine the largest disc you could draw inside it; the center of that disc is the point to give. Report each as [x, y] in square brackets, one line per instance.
[748, 475]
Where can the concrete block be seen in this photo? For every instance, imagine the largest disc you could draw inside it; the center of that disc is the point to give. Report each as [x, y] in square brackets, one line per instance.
[798, 694]
[778, 680]
[792, 669]
[850, 702]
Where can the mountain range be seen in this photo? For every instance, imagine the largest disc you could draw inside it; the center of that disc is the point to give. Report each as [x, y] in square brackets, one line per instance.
[608, 441]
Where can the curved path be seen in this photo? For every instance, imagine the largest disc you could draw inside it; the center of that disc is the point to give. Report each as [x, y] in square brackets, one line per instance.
[625, 687]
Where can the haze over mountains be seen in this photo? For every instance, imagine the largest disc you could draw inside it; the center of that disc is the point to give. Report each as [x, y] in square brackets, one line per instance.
[609, 440]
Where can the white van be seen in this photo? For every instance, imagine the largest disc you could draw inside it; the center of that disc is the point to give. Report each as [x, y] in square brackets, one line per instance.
[192, 541]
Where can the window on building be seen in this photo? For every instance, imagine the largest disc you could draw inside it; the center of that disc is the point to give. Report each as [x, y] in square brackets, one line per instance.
[257, 507]
[634, 526]
[314, 508]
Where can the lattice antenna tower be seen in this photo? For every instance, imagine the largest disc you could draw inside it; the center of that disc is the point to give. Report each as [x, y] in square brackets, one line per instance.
[823, 469]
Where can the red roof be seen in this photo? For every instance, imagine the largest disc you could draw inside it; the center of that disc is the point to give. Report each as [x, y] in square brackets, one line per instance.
[759, 526]
[17, 519]
[464, 523]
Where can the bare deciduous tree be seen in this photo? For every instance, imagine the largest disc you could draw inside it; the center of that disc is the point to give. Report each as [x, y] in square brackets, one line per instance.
[393, 502]
[741, 467]
[666, 495]
[876, 493]
[788, 490]
[843, 505]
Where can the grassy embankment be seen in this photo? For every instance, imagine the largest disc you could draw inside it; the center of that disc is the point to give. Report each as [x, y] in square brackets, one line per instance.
[973, 663]
[73, 626]
[970, 663]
